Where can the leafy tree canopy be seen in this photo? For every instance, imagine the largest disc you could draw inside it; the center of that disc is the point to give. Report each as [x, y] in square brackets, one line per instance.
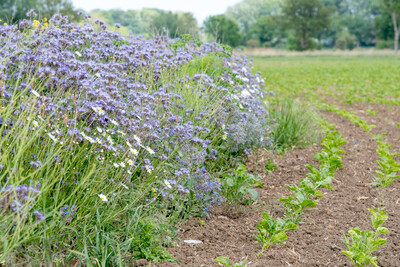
[223, 30]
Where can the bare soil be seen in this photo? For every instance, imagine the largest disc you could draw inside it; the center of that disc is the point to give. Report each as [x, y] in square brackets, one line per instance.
[319, 240]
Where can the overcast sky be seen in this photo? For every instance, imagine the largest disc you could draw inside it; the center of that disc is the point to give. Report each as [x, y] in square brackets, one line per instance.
[200, 8]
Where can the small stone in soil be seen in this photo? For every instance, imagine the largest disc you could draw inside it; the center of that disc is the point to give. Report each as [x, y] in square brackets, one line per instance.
[192, 241]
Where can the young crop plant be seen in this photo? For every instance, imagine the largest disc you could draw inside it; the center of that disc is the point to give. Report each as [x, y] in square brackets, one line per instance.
[302, 201]
[237, 187]
[348, 115]
[273, 231]
[362, 243]
[388, 168]
[227, 262]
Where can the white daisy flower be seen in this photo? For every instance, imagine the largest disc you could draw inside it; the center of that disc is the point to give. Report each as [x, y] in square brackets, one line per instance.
[148, 169]
[130, 162]
[151, 151]
[167, 184]
[114, 122]
[103, 197]
[134, 151]
[115, 165]
[78, 54]
[99, 129]
[122, 165]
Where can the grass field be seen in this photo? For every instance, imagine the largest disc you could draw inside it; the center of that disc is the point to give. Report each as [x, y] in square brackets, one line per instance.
[373, 78]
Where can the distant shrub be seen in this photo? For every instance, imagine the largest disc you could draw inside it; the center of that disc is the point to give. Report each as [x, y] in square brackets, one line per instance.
[384, 44]
[346, 40]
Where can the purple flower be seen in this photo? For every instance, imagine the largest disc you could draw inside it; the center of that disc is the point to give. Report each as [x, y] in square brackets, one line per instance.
[31, 13]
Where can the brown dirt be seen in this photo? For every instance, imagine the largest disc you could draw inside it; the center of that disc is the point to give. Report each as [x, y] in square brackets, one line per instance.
[319, 240]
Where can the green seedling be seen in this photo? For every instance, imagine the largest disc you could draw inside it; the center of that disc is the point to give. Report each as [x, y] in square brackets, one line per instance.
[378, 136]
[271, 231]
[227, 262]
[237, 186]
[362, 243]
[201, 223]
[388, 168]
[299, 204]
[322, 178]
[348, 115]
[270, 166]
[372, 112]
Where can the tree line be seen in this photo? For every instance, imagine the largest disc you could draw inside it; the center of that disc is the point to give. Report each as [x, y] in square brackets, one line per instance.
[312, 24]
[286, 24]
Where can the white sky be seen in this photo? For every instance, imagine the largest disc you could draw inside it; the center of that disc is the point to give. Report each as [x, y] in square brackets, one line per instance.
[200, 8]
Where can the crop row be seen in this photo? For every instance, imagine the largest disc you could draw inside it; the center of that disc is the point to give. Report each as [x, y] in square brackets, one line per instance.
[362, 243]
[273, 230]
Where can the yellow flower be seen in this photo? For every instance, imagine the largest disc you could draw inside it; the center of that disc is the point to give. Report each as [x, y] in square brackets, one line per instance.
[5, 24]
[154, 190]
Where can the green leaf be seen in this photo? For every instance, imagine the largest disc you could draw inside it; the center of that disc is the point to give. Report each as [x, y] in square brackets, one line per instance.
[223, 260]
[382, 230]
[240, 264]
[253, 193]
[318, 193]
[348, 253]
[229, 182]
[279, 237]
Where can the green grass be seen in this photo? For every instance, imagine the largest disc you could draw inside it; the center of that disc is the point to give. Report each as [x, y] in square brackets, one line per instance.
[372, 79]
[296, 125]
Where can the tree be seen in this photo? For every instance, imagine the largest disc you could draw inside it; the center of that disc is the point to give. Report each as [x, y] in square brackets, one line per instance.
[15, 10]
[187, 24]
[306, 18]
[265, 29]
[223, 29]
[247, 12]
[166, 23]
[393, 7]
